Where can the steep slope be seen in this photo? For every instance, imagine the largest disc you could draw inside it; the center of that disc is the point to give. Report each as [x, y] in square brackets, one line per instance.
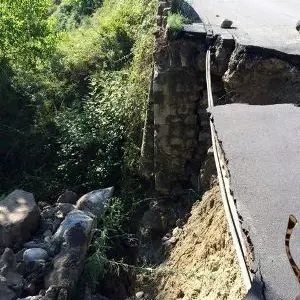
[202, 264]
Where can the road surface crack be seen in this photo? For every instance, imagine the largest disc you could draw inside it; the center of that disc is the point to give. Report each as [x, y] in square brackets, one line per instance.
[263, 284]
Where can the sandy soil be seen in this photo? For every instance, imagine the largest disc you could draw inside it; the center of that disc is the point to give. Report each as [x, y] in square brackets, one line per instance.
[202, 264]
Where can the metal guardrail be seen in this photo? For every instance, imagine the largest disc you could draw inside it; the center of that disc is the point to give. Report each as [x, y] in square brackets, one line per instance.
[228, 201]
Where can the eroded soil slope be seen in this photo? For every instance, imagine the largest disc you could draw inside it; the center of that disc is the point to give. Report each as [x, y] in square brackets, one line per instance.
[202, 264]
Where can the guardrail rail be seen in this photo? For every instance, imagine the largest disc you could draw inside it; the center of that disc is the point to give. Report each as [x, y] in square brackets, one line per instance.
[223, 178]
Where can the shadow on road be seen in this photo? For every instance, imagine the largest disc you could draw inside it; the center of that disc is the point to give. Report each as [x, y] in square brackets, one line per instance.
[260, 291]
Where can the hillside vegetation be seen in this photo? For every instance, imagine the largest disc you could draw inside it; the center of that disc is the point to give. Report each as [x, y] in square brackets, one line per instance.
[74, 81]
[74, 78]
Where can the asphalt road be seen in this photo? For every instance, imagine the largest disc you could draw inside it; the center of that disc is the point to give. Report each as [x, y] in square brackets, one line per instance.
[264, 23]
[262, 145]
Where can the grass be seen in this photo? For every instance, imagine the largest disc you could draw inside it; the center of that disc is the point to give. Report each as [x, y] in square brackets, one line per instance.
[175, 22]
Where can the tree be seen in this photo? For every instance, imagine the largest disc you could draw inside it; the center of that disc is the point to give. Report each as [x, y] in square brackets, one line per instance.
[25, 30]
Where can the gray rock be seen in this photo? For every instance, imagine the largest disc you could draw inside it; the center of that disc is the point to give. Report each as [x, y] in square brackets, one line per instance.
[170, 242]
[179, 223]
[226, 23]
[15, 282]
[5, 292]
[68, 197]
[11, 283]
[67, 267]
[177, 231]
[19, 255]
[76, 230]
[139, 295]
[34, 273]
[73, 236]
[62, 294]
[19, 218]
[47, 240]
[48, 212]
[95, 201]
[7, 260]
[298, 26]
[33, 244]
[47, 233]
[38, 297]
[64, 208]
[52, 293]
[35, 254]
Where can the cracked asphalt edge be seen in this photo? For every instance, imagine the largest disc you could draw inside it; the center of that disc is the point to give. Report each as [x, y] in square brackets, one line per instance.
[258, 287]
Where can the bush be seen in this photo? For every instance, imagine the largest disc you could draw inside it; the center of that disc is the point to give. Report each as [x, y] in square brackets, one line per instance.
[72, 13]
[175, 22]
[106, 39]
[110, 226]
[92, 133]
[77, 116]
[101, 131]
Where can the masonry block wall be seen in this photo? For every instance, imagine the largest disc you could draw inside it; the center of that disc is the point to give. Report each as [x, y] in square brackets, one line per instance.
[180, 118]
[176, 133]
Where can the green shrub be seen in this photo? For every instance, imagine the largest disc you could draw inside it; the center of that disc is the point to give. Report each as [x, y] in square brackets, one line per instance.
[175, 22]
[110, 226]
[77, 116]
[72, 13]
[106, 38]
[114, 51]
[26, 35]
[92, 133]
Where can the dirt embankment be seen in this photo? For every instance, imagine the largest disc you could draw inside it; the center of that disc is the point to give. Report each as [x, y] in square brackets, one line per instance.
[202, 264]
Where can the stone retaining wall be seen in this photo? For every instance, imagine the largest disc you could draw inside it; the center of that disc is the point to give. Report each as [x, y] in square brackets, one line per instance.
[176, 133]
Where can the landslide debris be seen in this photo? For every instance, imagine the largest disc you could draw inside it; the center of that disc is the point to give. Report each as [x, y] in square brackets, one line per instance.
[203, 263]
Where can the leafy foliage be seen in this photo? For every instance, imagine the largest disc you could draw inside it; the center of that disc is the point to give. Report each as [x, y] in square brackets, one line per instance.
[102, 134]
[71, 13]
[74, 82]
[25, 30]
[110, 225]
[106, 39]
[25, 43]
[92, 132]
[72, 113]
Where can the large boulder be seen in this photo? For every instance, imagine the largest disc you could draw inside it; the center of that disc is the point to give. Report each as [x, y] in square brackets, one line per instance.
[76, 230]
[72, 239]
[19, 218]
[95, 201]
[67, 267]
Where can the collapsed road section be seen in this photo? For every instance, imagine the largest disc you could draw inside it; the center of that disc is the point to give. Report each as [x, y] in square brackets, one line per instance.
[260, 144]
[262, 147]
[260, 23]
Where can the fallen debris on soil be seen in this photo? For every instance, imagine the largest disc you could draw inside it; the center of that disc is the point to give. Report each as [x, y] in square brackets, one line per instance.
[203, 263]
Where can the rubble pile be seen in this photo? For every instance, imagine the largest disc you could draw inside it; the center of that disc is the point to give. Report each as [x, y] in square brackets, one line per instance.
[43, 247]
